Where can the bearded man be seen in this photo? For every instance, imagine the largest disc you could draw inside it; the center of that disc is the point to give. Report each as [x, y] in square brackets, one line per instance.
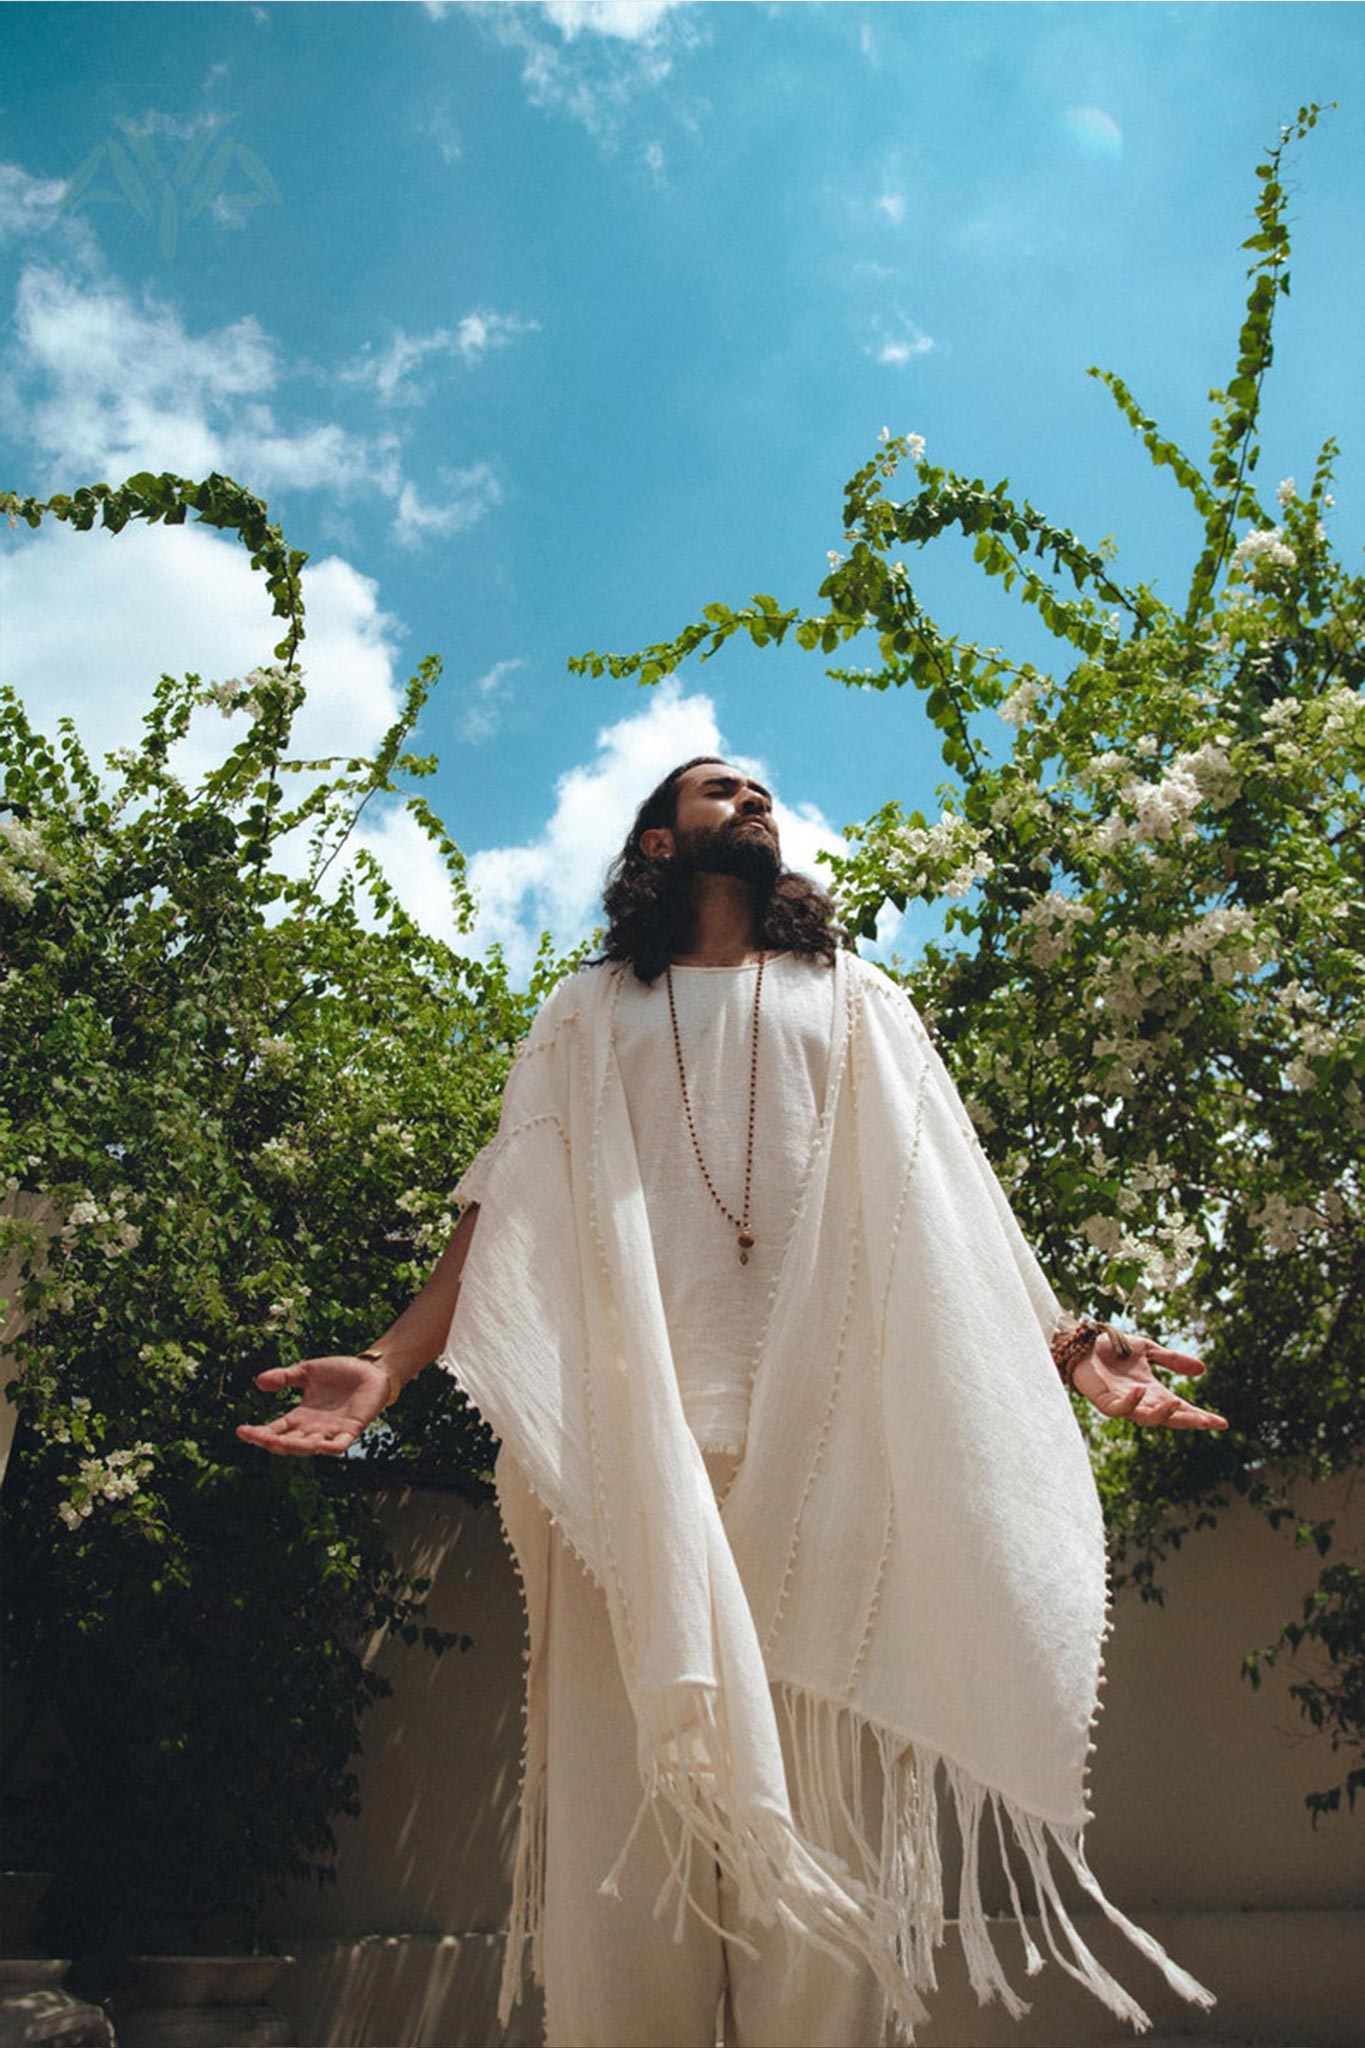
[806, 1529]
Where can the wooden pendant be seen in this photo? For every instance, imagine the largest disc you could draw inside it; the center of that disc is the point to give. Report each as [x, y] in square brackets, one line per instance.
[745, 1246]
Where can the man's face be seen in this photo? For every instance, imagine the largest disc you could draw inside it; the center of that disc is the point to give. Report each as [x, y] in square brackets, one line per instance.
[725, 823]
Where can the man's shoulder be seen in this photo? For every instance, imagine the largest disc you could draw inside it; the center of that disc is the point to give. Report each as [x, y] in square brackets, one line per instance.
[571, 995]
[872, 984]
[866, 974]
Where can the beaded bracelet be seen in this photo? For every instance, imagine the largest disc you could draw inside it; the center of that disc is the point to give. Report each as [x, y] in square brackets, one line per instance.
[1075, 1341]
[1070, 1345]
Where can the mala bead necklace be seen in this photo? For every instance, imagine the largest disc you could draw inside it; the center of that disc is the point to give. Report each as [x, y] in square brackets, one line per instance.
[741, 1222]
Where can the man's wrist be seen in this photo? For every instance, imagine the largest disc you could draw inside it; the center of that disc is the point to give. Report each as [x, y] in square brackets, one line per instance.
[1072, 1342]
[394, 1378]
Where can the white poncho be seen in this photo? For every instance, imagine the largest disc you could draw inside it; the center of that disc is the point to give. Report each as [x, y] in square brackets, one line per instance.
[911, 1553]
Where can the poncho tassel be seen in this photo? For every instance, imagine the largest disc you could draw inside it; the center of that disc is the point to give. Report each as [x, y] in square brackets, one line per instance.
[903, 1871]
[829, 1881]
[528, 1899]
[781, 1876]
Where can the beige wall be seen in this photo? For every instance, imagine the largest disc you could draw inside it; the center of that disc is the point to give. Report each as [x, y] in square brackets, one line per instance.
[1197, 1787]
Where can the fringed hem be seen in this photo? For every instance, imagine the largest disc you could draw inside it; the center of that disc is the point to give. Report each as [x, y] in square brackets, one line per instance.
[525, 1926]
[864, 1894]
[901, 1866]
[779, 1874]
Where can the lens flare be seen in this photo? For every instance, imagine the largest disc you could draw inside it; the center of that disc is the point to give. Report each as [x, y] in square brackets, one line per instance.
[1094, 132]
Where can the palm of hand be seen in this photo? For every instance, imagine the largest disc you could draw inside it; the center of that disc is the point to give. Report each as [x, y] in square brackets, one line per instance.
[1128, 1386]
[341, 1397]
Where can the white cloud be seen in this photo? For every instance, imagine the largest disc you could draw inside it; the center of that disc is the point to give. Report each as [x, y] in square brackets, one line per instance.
[154, 122]
[489, 693]
[122, 387]
[468, 496]
[93, 619]
[553, 882]
[231, 211]
[1003, 230]
[439, 127]
[103, 386]
[892, 204]
[590, 60]
[390, 370]
[900, 343]
[479, 332]
[27, 205]
[632, 21]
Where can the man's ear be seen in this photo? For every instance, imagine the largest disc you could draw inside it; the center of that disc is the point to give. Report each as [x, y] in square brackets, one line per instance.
[657, 843]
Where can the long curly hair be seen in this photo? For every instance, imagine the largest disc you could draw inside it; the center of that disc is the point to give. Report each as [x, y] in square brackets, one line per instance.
[648, 903]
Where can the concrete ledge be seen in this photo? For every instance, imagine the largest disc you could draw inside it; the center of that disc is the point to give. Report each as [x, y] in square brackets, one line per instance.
[1282, 1979]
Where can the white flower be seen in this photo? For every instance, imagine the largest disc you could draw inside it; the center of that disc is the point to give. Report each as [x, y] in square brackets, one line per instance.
[281, 1156]
[1285, 1224]
[26, 845]
[884, 435]
[974, 870]
[14, 888]
[227, 696]
[1103, 1232]
[1267, 545]
[1285, 492]
[915, 443]
[1021, 703]
[833, 557]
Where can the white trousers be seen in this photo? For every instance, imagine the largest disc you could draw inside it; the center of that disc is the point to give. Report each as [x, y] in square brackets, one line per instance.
[615, 1977]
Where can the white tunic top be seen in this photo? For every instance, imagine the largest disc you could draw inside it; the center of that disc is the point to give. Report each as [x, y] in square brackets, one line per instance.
[713, 1305]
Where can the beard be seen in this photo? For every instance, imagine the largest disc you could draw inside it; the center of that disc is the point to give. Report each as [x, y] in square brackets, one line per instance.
[748, 850]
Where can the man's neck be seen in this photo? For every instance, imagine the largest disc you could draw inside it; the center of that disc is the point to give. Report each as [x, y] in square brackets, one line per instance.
[724, 929]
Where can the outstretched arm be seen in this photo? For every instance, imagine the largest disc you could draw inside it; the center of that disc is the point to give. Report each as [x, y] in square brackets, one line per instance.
[340, 1397]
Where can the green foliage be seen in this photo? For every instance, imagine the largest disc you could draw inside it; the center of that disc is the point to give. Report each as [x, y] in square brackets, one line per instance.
[241, 1078]
[1150, 988]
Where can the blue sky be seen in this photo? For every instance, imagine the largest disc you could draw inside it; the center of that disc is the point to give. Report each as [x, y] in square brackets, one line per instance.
[541, 326]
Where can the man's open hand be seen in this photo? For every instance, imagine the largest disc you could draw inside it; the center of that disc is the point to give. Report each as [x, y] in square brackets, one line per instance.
[340, 1397]
[1129, 1387]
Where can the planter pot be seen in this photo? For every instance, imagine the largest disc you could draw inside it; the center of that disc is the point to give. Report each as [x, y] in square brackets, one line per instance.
[34, 2008]
[203, 2002]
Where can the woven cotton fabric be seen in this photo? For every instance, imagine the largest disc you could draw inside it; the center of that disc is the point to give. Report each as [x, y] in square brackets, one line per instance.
[911, 1552]
[713, 1305]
